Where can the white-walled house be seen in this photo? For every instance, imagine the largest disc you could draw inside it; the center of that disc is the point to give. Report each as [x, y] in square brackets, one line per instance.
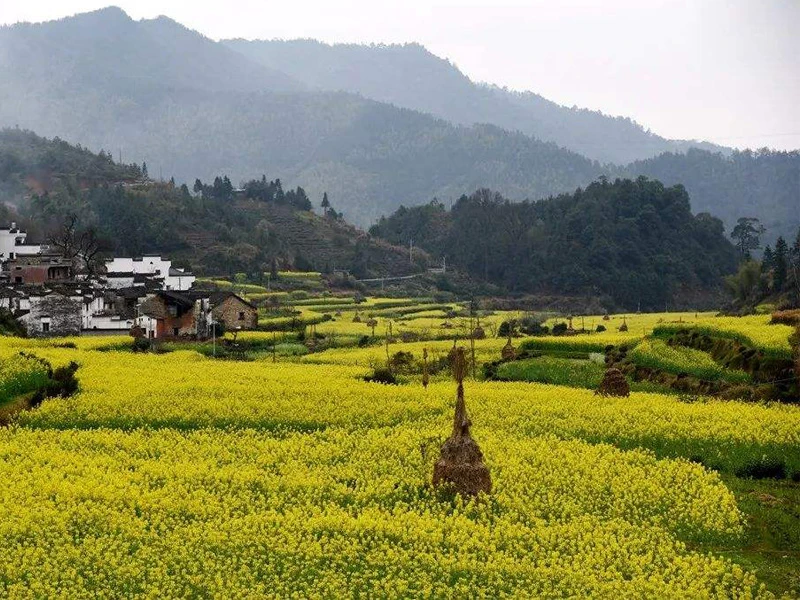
[13, 243]
[121, 272]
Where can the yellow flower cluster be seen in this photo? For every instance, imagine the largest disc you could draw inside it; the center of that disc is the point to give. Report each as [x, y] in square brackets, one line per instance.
[182, 389]
[179, 475]
[165, 513]
[20, 374]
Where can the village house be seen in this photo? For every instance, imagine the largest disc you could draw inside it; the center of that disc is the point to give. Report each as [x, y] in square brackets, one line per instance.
[53, 311]
[13, 243]
[126, 272]
[172, 314]
[39, 288]
[233, 311]
[42, 268]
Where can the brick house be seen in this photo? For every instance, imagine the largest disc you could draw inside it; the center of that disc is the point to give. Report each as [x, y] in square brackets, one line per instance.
[168, 314]
[233, 311]
[40, 269]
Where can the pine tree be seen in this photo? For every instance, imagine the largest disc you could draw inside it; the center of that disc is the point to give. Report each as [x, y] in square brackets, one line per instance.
[780, 265]
[767, 266]
[144, 170]
[747, 234]
[325, 203]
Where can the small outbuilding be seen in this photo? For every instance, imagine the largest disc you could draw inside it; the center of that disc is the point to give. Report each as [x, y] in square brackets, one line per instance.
[233, 311]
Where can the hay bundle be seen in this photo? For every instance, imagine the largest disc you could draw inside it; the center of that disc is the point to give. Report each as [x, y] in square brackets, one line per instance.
[508, 352]
[624, 326]
[357, 318]
[606, 317]
[460, 459]
[425, 376]
[614, 384]
[478, 333]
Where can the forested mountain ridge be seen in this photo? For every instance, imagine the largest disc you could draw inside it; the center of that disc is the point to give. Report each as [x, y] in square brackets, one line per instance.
[213, 228]
[185, 122]
[634, 242]
[159, 93]
[31, 164]
[763, 184]
[410, 76]
[107, 51]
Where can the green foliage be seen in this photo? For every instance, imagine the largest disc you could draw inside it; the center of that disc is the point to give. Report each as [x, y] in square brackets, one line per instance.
[554, 371]
[11, 326]
[20, 374]
[656, 354]
[763, 468]
[639, 241]
[382, 375]
[746, 284]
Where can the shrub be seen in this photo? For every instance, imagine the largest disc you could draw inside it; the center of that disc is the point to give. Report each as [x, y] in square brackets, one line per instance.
[62, 383]
[559, 329]
[600, 329]
[402, 362]
[507, 328]
[531, 326]
[141, 344]
[364, 341]
[382, 375]
[763, 468]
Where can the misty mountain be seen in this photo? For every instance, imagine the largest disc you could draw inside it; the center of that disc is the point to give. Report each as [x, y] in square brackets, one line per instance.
[412, 77]
[156, 92]
[108, 52]
[190, 107]
[764, 184]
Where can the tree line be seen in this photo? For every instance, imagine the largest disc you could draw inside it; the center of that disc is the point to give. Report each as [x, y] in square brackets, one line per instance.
[633, 242]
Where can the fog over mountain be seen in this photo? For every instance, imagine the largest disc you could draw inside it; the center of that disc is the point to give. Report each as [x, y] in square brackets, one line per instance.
[410, 76]
[374, 126]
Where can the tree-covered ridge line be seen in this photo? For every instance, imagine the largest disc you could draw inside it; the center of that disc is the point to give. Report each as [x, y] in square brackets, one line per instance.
[634, 242]
[254, 227]
[764, 184]
[410, 76]
[24, 155]
[190, 107]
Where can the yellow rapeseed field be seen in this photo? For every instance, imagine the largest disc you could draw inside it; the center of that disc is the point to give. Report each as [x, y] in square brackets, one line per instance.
[176, 475]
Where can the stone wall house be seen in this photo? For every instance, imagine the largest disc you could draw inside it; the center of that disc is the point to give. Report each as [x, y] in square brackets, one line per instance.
[233, 311]
[54, 313]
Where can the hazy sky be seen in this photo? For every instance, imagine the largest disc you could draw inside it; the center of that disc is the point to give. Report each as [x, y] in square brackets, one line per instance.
[722, 70]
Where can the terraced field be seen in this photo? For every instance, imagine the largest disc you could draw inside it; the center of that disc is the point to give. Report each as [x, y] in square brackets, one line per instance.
[177, 474]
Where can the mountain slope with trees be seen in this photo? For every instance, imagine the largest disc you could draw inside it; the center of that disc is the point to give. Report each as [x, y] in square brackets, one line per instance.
[214, 228]
[763, 184]
[153, 91]
[412, 77]
[634, 242]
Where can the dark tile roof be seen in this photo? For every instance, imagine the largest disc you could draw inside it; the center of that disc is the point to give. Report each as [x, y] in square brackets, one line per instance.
[178, 298]
[217, 298]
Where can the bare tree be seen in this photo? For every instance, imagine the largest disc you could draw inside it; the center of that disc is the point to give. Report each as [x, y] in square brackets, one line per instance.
[81, 247]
